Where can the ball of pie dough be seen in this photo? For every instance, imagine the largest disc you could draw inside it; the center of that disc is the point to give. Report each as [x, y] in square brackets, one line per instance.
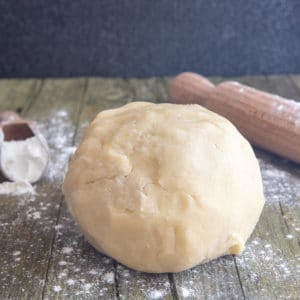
[164, 187]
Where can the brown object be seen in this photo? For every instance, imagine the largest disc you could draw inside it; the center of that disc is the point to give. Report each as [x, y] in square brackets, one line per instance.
[268, 121]
[14, 127]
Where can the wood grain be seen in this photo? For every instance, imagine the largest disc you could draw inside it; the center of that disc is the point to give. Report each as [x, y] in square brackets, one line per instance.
[291, 210]
[84, 272]
[268, 266]
[16, 94]
[218, 279]
[26, 241]
[44, 255]
[84, 267]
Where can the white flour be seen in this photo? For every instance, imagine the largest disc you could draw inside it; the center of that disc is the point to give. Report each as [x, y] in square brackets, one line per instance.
[24, 160]
[16, 188]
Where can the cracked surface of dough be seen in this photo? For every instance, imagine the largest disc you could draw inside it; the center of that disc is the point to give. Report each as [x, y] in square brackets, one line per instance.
[164, 187]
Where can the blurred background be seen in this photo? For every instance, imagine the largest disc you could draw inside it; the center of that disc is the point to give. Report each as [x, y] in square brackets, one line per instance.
[135, 38]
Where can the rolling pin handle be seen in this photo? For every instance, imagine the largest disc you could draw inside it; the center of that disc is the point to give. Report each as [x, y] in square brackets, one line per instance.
[189, 88]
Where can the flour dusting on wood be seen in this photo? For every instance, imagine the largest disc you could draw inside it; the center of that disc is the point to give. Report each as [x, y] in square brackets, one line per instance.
[16, 188]
[60, 131]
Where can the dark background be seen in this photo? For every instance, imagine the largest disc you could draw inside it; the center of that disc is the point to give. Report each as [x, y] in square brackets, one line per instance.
[43, 38]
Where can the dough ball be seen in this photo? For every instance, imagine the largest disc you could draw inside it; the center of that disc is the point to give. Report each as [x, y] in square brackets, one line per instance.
[164, 187]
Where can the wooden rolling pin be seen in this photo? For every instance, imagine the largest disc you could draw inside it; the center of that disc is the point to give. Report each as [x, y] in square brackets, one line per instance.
[266, 120]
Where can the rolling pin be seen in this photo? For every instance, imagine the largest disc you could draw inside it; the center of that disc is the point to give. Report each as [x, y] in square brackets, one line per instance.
[266, 120]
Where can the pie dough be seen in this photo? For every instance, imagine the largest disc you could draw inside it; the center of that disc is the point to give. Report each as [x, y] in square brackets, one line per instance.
[164, 187]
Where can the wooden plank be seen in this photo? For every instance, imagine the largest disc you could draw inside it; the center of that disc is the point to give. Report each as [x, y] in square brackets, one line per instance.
[16, 94]
[268, 266]
[152, 89]
[284, 86]
[295, 82]
[216, 80]
[76, 269]
[269, 243]
[131, 284]
[259, 82]
[289, 86]
[84, 272]
[187, 284]
[217, 279]
[26, 240]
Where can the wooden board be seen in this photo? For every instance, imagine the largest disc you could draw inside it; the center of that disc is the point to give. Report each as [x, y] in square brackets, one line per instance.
[219, 278]
[26, 240]
[44, 255]
[101, 275]
[268, 266]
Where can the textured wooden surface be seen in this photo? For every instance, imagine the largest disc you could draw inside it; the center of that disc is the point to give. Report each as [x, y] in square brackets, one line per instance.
[44, 255]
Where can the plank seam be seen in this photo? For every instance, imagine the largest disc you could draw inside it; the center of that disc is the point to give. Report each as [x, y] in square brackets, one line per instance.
[287, 226]
[132, 91]
[239, 276]
[297, 90]
[33, 95]
[51, 248]
[73, 142]
[80, 107]
[173, 287]
[116, 277]
[293, 83]
[269, 85]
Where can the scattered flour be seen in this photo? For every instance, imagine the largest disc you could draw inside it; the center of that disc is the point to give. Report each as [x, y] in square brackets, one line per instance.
[87, 286]
[16, 188]
[279, 267]
[126, 273]
[70, 150]
[67, 250]
[36, 215]
[33, 214]
[109, 277]
[59, 133]
[274, 265]
[58, 227]
[280, 185]
[61, 114]
[62, 274]
[93, 272]
[280, 107]
[70, 282]
[156, 294]
[185, 292]
[56, 288]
